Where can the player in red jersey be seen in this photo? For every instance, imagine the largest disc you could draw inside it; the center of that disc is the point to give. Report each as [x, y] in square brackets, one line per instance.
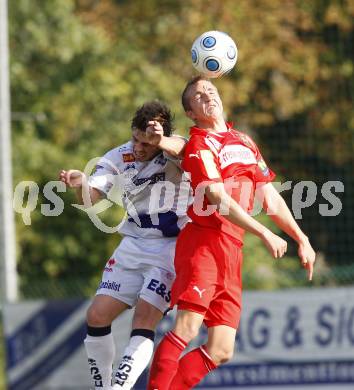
[226, 170]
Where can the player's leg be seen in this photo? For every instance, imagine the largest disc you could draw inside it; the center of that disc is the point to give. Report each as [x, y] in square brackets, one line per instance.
[99, 343]
[139, 350]
[219, 349]
[221, 318]
[221, 343]
[117, 291]
[167, 354]
[192, 291]
[154, 299]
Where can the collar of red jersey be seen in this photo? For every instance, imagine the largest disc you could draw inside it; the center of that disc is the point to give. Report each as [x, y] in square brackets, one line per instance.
[197, 130]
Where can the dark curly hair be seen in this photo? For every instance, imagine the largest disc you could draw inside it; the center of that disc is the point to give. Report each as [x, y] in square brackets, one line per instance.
[150, 111]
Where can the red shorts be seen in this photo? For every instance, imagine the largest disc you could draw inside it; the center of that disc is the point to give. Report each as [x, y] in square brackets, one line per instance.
[208, 268]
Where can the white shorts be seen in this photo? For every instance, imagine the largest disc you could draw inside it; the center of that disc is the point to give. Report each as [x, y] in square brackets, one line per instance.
[134, 271]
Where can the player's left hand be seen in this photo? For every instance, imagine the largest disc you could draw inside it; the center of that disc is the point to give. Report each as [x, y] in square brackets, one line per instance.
[307, 256]
[154, 133]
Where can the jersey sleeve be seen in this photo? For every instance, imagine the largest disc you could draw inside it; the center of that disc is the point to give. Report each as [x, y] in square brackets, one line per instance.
[104, 175]
[201, 163]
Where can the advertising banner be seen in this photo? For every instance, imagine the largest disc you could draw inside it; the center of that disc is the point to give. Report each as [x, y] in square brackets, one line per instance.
[292, 339]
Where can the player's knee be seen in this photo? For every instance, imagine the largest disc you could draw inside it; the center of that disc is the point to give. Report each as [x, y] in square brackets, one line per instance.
[221, 355]
[225, 356]
[187, 330]
[146, 315]
[96, 317]
[187, 325]
[146, 320]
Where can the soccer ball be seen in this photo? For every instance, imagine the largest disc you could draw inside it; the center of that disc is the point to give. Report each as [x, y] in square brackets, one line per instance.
[214, 53]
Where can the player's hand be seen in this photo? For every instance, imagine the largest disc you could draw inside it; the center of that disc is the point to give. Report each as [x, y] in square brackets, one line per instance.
[275, 244]
[307, 256]
[154, 133]
[73, 178]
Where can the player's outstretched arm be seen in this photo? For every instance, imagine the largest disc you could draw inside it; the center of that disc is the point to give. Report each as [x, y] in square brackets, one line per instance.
[74, 178]
[277, 209]
[174, 145]
[233, 212]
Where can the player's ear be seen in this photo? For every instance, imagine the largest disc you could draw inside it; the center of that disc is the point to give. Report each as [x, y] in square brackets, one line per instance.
[190, 114]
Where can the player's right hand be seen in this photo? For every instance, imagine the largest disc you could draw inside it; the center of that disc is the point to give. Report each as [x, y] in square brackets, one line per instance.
[72, 178]
[275, 244]
[307, 256]
[154, 133]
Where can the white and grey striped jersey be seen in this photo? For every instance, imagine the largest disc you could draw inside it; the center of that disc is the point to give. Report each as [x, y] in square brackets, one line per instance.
[155, 193]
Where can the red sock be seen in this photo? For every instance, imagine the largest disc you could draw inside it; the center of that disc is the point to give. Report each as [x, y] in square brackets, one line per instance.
[192, 368]
[165, 363]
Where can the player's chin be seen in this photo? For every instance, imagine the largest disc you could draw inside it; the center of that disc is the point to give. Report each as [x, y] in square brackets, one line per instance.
[213, 112]
[140, 157]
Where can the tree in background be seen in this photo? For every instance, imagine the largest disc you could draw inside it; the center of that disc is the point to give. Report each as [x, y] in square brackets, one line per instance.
[81, 68]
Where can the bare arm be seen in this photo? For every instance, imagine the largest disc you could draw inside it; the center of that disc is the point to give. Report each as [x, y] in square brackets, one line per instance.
[174, 145]
[218, 196]
[74, 178]
[277, 209]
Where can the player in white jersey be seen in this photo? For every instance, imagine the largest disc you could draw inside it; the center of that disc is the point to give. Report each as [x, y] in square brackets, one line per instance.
[140, 271]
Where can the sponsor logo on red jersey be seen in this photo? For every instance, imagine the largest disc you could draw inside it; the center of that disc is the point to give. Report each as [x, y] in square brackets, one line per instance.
[232, 154]
[263, 167]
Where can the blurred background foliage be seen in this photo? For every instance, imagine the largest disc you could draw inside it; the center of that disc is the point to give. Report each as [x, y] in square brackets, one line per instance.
[79, 69]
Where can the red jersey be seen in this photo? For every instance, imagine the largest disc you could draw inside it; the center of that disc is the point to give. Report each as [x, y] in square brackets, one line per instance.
[231, 157]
